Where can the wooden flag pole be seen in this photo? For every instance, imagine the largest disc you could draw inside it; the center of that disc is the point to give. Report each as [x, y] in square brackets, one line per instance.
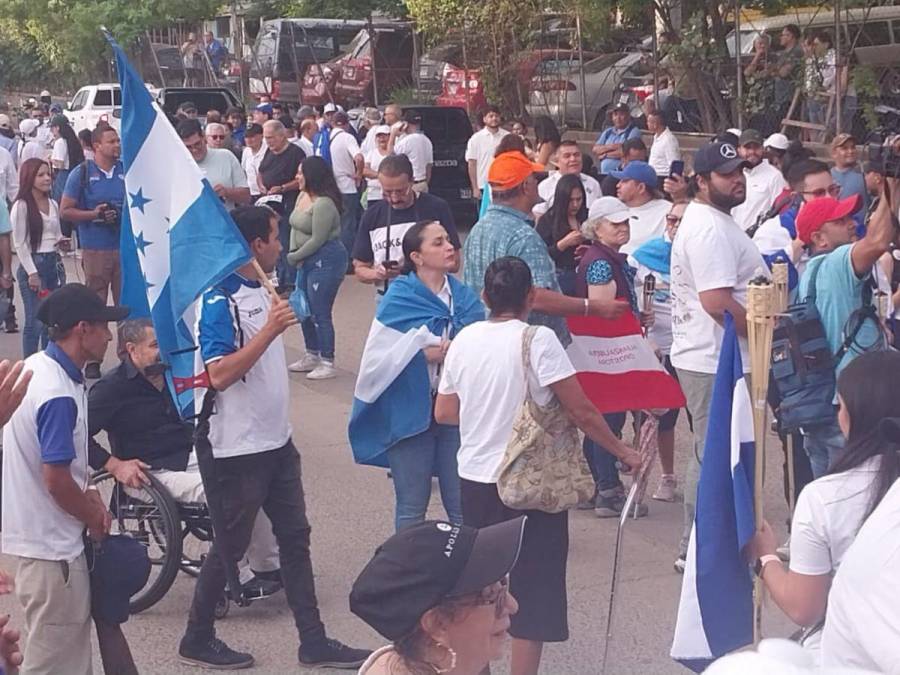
[780, 279]
[265, 280]
[761, 310]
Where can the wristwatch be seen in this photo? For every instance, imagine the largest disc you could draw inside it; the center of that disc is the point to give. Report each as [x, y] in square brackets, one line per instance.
[763, 561]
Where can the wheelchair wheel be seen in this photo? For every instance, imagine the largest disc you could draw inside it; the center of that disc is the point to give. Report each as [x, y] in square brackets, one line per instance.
[149, 515]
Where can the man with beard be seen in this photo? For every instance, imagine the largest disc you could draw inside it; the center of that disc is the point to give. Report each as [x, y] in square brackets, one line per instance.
[712, 263]
[480, 149]
[132, 404]
[764, 181]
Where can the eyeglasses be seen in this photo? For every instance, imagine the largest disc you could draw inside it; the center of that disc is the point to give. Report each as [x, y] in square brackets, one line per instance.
[402, 192]
[496, 597]
[672, 219]
[196, 145]
[832, 190]
[216, 137]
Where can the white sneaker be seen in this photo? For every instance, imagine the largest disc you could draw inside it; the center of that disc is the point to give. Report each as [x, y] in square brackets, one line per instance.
[324, 371]
[308, 363]
[665, 491]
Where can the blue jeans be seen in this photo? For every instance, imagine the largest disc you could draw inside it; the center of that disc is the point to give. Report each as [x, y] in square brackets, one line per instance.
[283, 268]
[53, 275]
[823, 444]
[601, 462]
[324, 273]
[413, 462]
[350, 219]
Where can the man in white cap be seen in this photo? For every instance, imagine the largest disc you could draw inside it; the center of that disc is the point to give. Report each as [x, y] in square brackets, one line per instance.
[764, 181]
[32, 146]
[408, 139]
[775, 147]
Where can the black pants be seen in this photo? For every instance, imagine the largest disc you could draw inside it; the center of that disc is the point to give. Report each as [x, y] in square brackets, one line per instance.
[271, 481]
[10, 318]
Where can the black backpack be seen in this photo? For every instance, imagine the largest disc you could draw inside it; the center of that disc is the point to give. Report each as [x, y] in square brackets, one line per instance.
[803, 367]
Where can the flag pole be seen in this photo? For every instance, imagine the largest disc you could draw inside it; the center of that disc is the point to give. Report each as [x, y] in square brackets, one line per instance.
[762, 304]
[265, 280]
[780, 279]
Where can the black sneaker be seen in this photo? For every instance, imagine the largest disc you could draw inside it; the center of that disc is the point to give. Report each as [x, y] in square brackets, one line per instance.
[11, 326]
[213, 654]
[258, 588]
[332, 654]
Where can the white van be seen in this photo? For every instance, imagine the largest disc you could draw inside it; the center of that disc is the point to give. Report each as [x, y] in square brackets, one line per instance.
[95, 103]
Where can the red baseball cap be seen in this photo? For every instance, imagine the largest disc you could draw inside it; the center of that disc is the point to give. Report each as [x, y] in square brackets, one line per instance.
[815, 213]
[510, 170]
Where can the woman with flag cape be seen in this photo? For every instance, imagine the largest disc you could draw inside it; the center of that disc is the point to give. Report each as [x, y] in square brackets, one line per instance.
[392, 423]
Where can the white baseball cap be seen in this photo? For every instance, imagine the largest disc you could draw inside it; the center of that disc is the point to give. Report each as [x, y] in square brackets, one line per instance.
[611, 208]
[4, 122]
[734, 131]
[381, 129]
[777, 141]
[28, 126]
[331, 107]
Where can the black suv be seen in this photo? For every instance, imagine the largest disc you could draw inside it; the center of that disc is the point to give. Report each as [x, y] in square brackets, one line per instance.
[449, 130]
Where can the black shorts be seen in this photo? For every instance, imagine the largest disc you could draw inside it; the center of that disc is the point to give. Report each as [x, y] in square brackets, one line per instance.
[538, 581]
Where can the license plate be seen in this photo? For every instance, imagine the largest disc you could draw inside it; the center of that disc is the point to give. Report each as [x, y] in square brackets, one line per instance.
[465, 193]
[623, 98]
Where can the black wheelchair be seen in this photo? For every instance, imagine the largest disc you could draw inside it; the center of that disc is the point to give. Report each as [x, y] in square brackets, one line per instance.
[177, 535]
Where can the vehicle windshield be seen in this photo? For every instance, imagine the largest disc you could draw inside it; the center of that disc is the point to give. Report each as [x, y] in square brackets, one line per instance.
[359, 46]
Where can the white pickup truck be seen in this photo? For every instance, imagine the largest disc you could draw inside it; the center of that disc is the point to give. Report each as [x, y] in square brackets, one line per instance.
[93, 104]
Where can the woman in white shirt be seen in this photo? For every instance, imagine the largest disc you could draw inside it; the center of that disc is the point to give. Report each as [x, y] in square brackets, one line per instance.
[373, 159]
[482, 389]
[36, 239]
[66, 154]
[831, 509]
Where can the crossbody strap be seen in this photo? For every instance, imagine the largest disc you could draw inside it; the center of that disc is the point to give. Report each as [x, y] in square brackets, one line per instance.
[527, 339]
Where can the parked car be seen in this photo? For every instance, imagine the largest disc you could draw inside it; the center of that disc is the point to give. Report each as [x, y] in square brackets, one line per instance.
[204, 98]
[556, 89]
[95, 103]
[318, 83]
[462, 89]
[286, 48]
[381, 57]
[433, 67]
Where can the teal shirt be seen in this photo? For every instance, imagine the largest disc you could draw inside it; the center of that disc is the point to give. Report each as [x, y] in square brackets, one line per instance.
[506, 232]
[838, 295]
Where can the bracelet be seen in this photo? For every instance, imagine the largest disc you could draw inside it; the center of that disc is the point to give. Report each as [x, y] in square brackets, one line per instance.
[763, 561]
[587, 306]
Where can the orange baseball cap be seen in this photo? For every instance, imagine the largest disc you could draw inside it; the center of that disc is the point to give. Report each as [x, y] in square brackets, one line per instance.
[510, 170]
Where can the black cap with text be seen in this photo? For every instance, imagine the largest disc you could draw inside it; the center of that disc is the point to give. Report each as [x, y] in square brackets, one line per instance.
[68, 305]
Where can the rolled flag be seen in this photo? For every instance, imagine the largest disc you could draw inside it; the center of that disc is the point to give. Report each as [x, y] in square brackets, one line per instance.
[617, 367]
[715, 613]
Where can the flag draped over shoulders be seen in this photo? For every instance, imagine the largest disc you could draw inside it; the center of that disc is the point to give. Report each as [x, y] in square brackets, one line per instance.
[392, 400]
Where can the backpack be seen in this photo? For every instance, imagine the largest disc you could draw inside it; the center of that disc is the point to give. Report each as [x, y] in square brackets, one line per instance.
[322, 144]
[803, 367]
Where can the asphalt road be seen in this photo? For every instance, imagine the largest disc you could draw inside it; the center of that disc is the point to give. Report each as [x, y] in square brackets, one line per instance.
[351, 508]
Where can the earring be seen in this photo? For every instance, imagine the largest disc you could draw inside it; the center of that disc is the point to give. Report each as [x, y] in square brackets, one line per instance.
[452, 654]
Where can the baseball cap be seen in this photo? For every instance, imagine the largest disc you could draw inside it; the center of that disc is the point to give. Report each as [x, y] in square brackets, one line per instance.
[264, 108]
[421, 566]
[611, 208]
[253, 130]
[734, 131]
[56, 108]
[412, 117]
[841, 139]
[120, 567]
[777, 141]
[306, 111]
[28, 126]
[381, 129]
[719, 157]
[59, 121]
[815, 213]
[72, 303]
[751, 136]
[621, 107]
[340, 117]
[5, 123]
[372, 115]
[510, 170]
[639, 171]
[45, 93]
[331, 107]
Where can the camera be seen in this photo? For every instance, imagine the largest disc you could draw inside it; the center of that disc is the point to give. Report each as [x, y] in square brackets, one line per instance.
[887, 158]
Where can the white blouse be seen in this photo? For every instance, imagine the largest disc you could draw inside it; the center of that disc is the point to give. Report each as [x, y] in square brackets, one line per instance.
[21, 241]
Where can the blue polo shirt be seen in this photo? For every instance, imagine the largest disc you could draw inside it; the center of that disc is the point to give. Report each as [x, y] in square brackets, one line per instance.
[98, 188]
[613, 135]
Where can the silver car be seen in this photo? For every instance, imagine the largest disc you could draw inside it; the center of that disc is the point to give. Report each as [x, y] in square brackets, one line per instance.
[557, 93]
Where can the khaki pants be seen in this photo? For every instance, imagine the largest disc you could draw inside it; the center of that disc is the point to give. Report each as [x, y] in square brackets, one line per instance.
[56, 597]
[102, 270]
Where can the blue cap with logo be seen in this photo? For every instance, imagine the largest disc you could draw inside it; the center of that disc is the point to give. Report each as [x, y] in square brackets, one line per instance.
[639, 171]
[718, 157]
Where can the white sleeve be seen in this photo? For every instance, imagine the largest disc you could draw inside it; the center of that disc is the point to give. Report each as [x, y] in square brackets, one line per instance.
[238, 177]
[60, 150]
[400, 145]
[352, 146]
[12, 177]
[447, 384]
[19, 218]
[546, 188]
[429, 150]
[711, 271]
[810, 553]
[471, 152]
[549, 360]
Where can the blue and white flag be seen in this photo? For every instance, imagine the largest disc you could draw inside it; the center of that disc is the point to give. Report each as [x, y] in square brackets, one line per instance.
[392, 400]
[177, 239]
[715, 614]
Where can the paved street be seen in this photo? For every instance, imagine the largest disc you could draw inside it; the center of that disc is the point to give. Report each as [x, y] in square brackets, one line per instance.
[350, 508]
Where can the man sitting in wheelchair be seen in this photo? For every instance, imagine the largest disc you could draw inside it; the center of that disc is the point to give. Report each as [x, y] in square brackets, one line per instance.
[133, 405]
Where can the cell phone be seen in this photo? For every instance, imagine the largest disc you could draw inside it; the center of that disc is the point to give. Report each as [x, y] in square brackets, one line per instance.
[677, 168]
[390, 264]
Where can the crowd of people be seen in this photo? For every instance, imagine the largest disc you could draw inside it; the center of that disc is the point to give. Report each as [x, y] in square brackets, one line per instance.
[457, 323]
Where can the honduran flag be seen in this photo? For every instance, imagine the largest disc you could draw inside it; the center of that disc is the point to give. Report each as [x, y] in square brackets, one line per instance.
[617, 367]
[176, 238]
[392, 400]
[715, 614]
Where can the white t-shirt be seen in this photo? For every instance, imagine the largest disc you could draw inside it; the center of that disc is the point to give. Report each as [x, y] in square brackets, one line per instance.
[343, 150]
[862, 624]
[663, 151]
[647, 221]
[764, 184]
[547, 190]
[710, 251]
[373, 161]
[481, 147]
[660, 333]
[9, 176]
[33, 148]
[306, 145]
[60, 152]
[250, 164]
[420, 151]
[221, 167]
[484, 368]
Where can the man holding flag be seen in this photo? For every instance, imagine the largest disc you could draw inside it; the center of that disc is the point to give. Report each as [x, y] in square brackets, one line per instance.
[178, 243]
